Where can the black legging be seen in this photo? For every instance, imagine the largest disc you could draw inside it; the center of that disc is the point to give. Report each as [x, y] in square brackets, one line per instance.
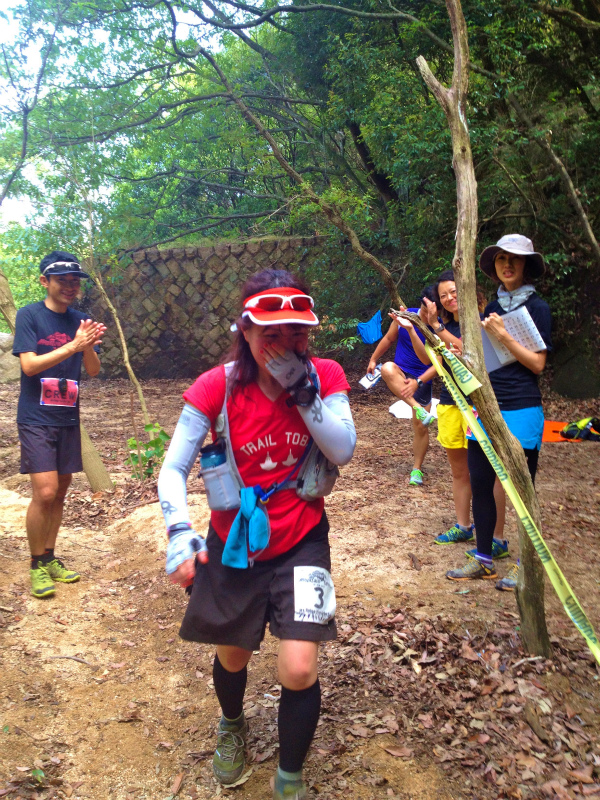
[482, 477]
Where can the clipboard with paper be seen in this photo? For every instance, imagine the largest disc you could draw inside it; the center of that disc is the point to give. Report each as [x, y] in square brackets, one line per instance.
[522, 328]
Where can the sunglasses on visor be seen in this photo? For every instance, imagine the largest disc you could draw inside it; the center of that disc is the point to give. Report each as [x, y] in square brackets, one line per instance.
[65, 266]
[277, 302]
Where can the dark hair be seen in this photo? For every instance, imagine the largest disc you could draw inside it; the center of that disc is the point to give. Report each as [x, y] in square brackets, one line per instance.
[246, 369]
[56, 255]
[446, 275]
[428, 292]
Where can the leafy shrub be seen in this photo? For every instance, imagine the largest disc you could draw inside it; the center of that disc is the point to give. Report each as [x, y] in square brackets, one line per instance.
[146, 457]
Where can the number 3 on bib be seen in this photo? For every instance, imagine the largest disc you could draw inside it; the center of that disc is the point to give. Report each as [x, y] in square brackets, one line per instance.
[314, 595]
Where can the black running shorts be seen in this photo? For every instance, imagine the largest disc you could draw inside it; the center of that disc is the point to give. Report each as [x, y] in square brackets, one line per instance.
[50, 448]
[423, 394]
[293, 592]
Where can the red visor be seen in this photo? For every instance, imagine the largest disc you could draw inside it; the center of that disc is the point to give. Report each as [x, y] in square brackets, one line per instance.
[279, 306]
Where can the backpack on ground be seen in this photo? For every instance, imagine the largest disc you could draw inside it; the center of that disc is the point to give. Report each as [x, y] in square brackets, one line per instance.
[587, 429]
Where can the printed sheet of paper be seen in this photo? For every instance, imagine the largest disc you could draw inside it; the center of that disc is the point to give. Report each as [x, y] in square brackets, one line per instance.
[523, 330]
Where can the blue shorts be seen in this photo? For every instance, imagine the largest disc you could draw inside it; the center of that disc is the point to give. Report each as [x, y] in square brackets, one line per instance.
[525, 424]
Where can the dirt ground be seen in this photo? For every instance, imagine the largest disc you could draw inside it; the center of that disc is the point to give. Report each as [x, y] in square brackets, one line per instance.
[426, 693]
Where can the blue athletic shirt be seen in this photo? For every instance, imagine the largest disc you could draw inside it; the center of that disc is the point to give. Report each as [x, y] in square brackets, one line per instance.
[405, 356]
[40, 330]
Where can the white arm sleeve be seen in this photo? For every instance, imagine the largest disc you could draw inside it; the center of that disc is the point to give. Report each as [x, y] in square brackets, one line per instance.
[187, 440]
[330, 423]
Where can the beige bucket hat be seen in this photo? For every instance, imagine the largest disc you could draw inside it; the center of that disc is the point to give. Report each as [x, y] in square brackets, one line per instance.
[520, 246]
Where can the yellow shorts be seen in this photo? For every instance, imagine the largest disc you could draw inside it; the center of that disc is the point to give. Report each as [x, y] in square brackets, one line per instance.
[452, 428]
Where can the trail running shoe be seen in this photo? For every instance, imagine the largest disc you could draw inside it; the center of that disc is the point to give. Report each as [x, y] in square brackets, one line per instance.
[289, 790]
[454, 535]
[424, 417]
[41, 583]
[509, 583]
[229, 759]
[416, 478]
[499, 549]
[58, 571]
[472, 569]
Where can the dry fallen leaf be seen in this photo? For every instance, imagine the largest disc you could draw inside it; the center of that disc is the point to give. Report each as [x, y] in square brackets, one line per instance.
[582, 775]
[399, 752]
[177, 783]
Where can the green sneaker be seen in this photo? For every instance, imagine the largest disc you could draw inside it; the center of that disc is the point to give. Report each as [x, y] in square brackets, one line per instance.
[499, 549]
[509, 583]
[229, 759]
[416, 478]
[58, 571]
[472, 569]
[454, 535]
[424, 417]
[41, 583]
[289, 790]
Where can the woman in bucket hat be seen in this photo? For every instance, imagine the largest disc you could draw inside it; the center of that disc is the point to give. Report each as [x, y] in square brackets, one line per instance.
[513, 264]
[266, 556]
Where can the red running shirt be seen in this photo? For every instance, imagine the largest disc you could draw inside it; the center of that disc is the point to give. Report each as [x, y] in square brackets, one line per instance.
[267, 438]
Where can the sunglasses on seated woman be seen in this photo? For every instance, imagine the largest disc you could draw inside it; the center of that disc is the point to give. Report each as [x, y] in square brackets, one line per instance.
[277, 302]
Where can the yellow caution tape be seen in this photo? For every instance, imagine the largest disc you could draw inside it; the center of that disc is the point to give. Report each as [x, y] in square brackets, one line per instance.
[558, 580]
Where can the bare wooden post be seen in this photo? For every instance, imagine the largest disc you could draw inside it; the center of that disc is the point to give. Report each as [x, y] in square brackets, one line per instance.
[93, 466]
[530, 587]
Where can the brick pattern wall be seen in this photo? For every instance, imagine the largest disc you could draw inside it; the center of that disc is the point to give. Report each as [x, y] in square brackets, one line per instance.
[176, 305]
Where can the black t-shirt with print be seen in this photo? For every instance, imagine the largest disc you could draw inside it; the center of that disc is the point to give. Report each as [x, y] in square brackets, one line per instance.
[514, 385]
[40, 330]
[446, 399]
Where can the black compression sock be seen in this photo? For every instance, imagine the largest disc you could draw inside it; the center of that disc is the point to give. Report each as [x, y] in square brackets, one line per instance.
[298, 717]
[48, 555]
[35, 561]
[230, 688]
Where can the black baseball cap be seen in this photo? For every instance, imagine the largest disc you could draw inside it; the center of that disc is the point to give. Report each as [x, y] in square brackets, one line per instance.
[63, 268]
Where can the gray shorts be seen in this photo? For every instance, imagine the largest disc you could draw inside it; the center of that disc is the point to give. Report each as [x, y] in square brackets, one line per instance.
[50, 448]
[232, 606]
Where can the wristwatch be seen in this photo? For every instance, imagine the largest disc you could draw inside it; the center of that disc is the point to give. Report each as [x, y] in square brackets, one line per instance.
[304, 394]
[419, 383]
[441, 328]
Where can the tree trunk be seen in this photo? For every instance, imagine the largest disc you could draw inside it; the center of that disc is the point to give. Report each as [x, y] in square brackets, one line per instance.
[530, 588]
[93, 466]
[7, 304]
[124, 349]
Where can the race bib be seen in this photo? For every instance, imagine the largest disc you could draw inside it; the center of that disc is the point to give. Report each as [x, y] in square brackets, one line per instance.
[59, 392]
[314, 595]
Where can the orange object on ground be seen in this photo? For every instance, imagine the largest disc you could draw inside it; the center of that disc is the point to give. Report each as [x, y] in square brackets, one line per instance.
[552, 431]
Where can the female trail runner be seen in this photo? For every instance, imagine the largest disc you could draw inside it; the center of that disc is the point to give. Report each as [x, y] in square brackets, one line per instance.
[513, 264]
[278, 399]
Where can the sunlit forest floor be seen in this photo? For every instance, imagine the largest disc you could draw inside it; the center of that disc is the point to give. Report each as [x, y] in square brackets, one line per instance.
[426, 693]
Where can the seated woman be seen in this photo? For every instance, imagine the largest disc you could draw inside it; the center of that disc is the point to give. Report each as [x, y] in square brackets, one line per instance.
[513, 264]
[266, 562]
[407, 366]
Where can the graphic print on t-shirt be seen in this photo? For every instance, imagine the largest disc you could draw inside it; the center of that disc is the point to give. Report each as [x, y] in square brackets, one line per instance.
[268, 439]
[56, 340]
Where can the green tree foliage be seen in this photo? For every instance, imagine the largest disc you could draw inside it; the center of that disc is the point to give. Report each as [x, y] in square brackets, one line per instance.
[137, 117]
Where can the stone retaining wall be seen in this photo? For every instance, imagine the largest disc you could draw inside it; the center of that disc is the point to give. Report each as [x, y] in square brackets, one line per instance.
[176, 305]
